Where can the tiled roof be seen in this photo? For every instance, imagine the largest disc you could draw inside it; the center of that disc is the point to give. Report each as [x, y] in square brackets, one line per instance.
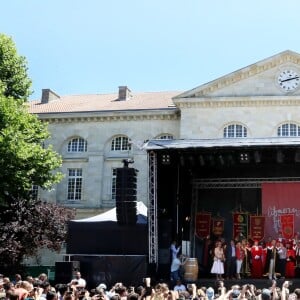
[105, 102]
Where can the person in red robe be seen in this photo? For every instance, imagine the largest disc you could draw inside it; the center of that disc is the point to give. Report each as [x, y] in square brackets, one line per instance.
[290, 261]
[257, 265]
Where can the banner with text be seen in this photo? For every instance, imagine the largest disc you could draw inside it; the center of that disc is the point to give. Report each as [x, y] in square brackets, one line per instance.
[202, 224]
[287, 225]
[240, 224]
[257, 227]
[279, 199]
[218, 226]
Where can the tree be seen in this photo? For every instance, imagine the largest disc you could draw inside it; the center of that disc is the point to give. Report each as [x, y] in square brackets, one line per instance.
[26, 224]
[24, 160]
[14, 80]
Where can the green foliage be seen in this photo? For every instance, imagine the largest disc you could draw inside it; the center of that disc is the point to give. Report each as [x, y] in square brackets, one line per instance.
[23, 158]
[25, 223]
[14, 80]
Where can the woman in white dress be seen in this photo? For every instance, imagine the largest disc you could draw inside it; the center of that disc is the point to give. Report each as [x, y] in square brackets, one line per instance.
[219, 258]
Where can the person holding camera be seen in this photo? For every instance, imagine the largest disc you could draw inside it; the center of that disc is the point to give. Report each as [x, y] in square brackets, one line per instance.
[78, 282]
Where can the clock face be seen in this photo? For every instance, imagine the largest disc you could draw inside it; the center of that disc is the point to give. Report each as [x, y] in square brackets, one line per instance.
[288, 80]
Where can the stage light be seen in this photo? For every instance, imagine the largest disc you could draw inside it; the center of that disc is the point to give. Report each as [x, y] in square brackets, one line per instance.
[165, 159]
[221, 160]
[182, 162]
[297, 156]
[279, 156]
[201, 160]
[244, 157]
[257, 157]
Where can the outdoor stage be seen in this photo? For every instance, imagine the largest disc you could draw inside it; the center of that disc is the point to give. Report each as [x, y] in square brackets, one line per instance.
[187, 177]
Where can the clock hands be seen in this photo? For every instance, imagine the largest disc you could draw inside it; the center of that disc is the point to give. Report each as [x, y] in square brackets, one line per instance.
[292, 78]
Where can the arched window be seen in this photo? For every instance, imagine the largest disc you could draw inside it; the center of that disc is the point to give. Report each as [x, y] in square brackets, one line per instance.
[235, 131]
[165, 136]
[288, 129]
[120, 143]
[77, 145]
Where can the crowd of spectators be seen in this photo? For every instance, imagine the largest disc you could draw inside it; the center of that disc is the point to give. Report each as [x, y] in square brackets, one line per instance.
[40, 289]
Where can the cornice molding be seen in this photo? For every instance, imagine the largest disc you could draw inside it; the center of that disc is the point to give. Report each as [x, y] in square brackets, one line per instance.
[238, 102]
[109, 118]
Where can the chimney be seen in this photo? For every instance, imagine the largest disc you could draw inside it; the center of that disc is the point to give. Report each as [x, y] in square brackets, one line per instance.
[124, 93]
[48, 96]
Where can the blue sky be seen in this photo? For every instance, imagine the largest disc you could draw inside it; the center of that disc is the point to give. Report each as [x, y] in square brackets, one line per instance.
[94, 46]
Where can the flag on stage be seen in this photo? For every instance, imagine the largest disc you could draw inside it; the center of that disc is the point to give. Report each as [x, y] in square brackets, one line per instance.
[287, 225]
[240, 224]
[257, 227]
[218, 226]
[202, 224]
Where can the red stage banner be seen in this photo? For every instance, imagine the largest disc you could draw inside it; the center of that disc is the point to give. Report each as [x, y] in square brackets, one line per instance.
[287, 225]
[281, 198]
[240, 224]
[218, 226]
[257, 227]
[202, 224]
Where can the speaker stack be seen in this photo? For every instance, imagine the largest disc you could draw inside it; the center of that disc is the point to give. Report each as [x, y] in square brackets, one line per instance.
[126, 196]
[64, 271]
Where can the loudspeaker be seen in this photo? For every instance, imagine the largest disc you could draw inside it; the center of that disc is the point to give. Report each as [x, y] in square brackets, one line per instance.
[64, 271]
[164, 233]
[126, 196]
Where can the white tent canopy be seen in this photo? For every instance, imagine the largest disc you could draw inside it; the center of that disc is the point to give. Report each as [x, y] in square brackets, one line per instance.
[111, 215]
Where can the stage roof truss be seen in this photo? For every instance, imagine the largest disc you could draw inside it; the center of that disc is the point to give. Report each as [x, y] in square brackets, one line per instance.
[238, 183]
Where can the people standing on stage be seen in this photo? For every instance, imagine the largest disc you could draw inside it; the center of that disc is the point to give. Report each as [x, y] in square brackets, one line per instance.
[290, 261]
[271, 260]
[282, 254]
[177, 262]
[230, 263]
[218, 261]
[240, 256]
[257, 265]
[245, 271]
[174, 250]
[297, 252]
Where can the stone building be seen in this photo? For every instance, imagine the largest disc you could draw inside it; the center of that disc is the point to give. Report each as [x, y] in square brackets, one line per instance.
[254, 106]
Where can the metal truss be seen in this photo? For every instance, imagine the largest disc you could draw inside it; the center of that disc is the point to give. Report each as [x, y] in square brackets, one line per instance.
[152, 208]
[242, 183]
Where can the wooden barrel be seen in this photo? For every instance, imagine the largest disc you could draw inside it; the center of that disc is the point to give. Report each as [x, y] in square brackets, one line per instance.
[191, 269]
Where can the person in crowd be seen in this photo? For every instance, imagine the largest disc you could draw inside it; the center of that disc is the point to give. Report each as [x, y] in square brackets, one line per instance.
[240, 255]
[179, 286]
[218, 261]
[256, 255]
[78, 281]
[174, 250]
[282, 255]
[230, 263]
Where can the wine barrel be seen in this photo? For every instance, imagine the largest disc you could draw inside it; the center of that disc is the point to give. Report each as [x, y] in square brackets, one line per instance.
[191, 269]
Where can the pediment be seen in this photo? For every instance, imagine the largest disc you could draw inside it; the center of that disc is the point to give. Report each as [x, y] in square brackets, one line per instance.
[256, 80]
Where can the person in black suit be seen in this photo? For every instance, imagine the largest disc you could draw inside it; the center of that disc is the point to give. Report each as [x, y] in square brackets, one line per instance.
[230, 263]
